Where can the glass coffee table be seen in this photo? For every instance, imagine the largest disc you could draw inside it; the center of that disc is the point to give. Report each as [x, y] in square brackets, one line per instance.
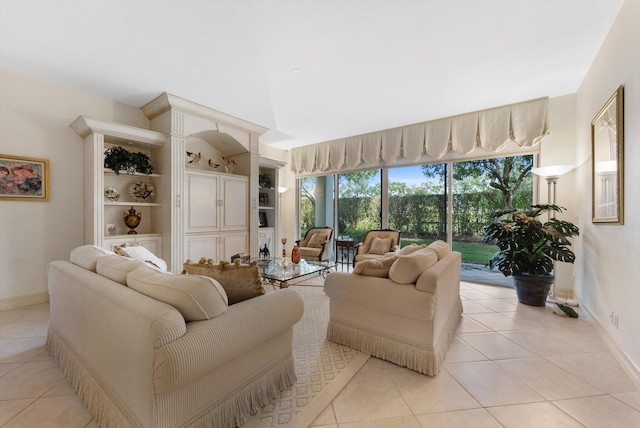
[281, 271]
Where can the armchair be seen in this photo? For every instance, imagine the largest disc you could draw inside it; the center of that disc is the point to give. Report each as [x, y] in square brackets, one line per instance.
[388, 241]
[316, 244]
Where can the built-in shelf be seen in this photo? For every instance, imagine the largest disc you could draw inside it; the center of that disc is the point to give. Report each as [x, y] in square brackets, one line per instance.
[124, 173]
[135, 204]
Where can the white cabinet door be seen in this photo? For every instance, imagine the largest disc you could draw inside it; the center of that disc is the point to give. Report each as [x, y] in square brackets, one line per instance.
[233, 243]
[235, 203]
[201, 191]
[202, 245]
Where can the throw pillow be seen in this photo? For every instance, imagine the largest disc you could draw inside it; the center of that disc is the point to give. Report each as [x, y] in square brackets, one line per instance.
[375, 267]
[142, 254]
[316, 240]
[407, 269]
[380, 246]
[240, 282]
[196, 297]
[117, 267]
[441, 248]
[410, 249]
[86, 256]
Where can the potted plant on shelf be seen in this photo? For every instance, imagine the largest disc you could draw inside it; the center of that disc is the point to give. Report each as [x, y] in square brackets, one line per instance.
[527, 249]
[117, 158]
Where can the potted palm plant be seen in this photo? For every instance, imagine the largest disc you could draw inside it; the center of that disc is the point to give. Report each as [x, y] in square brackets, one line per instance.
[527, 249]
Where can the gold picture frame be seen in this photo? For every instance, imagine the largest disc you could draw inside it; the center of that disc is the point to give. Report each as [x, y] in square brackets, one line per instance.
[607, 167]
[23, 178]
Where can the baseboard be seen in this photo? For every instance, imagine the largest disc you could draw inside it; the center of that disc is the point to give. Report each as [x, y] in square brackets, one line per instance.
[24, 300]
[627, 365]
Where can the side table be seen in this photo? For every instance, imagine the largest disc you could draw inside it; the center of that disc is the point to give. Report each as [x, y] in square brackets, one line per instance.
[345, 245]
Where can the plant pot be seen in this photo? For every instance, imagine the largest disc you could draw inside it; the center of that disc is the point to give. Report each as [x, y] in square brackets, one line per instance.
[533, 290]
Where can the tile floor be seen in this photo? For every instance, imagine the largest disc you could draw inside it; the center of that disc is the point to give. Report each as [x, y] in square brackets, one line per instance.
[510, 365]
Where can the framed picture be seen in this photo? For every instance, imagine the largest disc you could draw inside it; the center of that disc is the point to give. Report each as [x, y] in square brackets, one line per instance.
[24, 179]
[262, 219]
[263, 199]
[607, 147]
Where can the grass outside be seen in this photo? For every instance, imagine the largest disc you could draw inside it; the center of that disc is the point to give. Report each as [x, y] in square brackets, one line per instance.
[471, 252]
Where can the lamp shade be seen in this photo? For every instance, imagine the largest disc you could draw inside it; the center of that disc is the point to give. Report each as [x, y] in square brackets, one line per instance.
[607, 166]
[282, 189]
[553, 171]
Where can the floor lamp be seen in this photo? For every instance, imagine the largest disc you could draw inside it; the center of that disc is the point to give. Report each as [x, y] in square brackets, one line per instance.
[552, 174]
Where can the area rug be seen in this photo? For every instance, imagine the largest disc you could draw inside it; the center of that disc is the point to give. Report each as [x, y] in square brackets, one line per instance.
[323, 368]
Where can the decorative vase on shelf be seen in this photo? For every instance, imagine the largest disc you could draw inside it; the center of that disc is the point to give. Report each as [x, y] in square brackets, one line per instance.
[229, 168]
[132, 220]
[295, 255]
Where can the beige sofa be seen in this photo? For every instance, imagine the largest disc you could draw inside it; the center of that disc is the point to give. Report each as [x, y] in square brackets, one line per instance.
[404, 309]
[137, 361]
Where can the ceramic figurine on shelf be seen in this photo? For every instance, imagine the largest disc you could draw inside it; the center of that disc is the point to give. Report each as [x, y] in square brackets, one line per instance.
[295, 255]
[195, 158]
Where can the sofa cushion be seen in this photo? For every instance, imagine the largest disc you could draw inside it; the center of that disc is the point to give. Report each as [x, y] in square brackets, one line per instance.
[407, 269]
[316, 240]
[441, 248]
[380, 245]
[375, 267]
[410, 249]
[86, 256]
[117, 267]
[139, 252]
[196, 297]
[240, 282]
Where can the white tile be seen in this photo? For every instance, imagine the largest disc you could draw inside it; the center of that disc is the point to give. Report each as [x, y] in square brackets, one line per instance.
[21, 350]
[471, 307]
[67, 411]
[6, 368]
[430, 394]
[476, 418]
[327, 417]
[374, 363]
[400, 422]
[491, 385]
[604, 376]
[467, 325]
[548, 380]
[630, 398]
[498, 305]
[10, 408]
[30, 380]
[474, 294]
[24, 329]
[494, 346]
[538, 342]
[369, 395]
[460, 352]
[533, 415]
[497, 291]
[600, 412]
[498, 322]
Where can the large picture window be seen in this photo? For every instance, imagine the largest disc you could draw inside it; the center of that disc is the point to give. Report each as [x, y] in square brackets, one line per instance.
[449, 201]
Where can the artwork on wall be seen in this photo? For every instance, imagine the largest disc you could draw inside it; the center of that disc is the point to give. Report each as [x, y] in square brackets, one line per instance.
[24, 179]
[607, 154]
[263, 199]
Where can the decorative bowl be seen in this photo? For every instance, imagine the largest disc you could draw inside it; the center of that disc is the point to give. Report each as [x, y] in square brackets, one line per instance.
[111, 193]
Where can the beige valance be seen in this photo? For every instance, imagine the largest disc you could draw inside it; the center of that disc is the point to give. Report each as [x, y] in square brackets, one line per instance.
[523, 123]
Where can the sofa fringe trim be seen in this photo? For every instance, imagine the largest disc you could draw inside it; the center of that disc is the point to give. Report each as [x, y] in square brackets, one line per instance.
[230, 412]
[100, 404]
[413, 357]
[239, 405]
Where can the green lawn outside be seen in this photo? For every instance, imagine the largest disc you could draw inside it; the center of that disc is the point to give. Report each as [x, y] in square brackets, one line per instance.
[471, 252]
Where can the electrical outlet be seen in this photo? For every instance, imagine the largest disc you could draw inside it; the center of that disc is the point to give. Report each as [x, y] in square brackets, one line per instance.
[614, 319]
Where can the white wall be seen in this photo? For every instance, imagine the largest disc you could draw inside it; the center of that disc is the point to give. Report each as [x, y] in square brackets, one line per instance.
[607, 276]
[35, 117]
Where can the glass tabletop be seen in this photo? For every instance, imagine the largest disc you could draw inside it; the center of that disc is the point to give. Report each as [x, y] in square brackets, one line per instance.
[284, 270]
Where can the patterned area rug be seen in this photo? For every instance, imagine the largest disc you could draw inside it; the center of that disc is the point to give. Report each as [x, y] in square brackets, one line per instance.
[323, 368]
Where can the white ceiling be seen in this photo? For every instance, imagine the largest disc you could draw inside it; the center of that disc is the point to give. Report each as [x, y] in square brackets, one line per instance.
[311, 71]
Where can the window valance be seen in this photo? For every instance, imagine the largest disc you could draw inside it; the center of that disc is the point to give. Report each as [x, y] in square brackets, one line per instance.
[523, 123]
